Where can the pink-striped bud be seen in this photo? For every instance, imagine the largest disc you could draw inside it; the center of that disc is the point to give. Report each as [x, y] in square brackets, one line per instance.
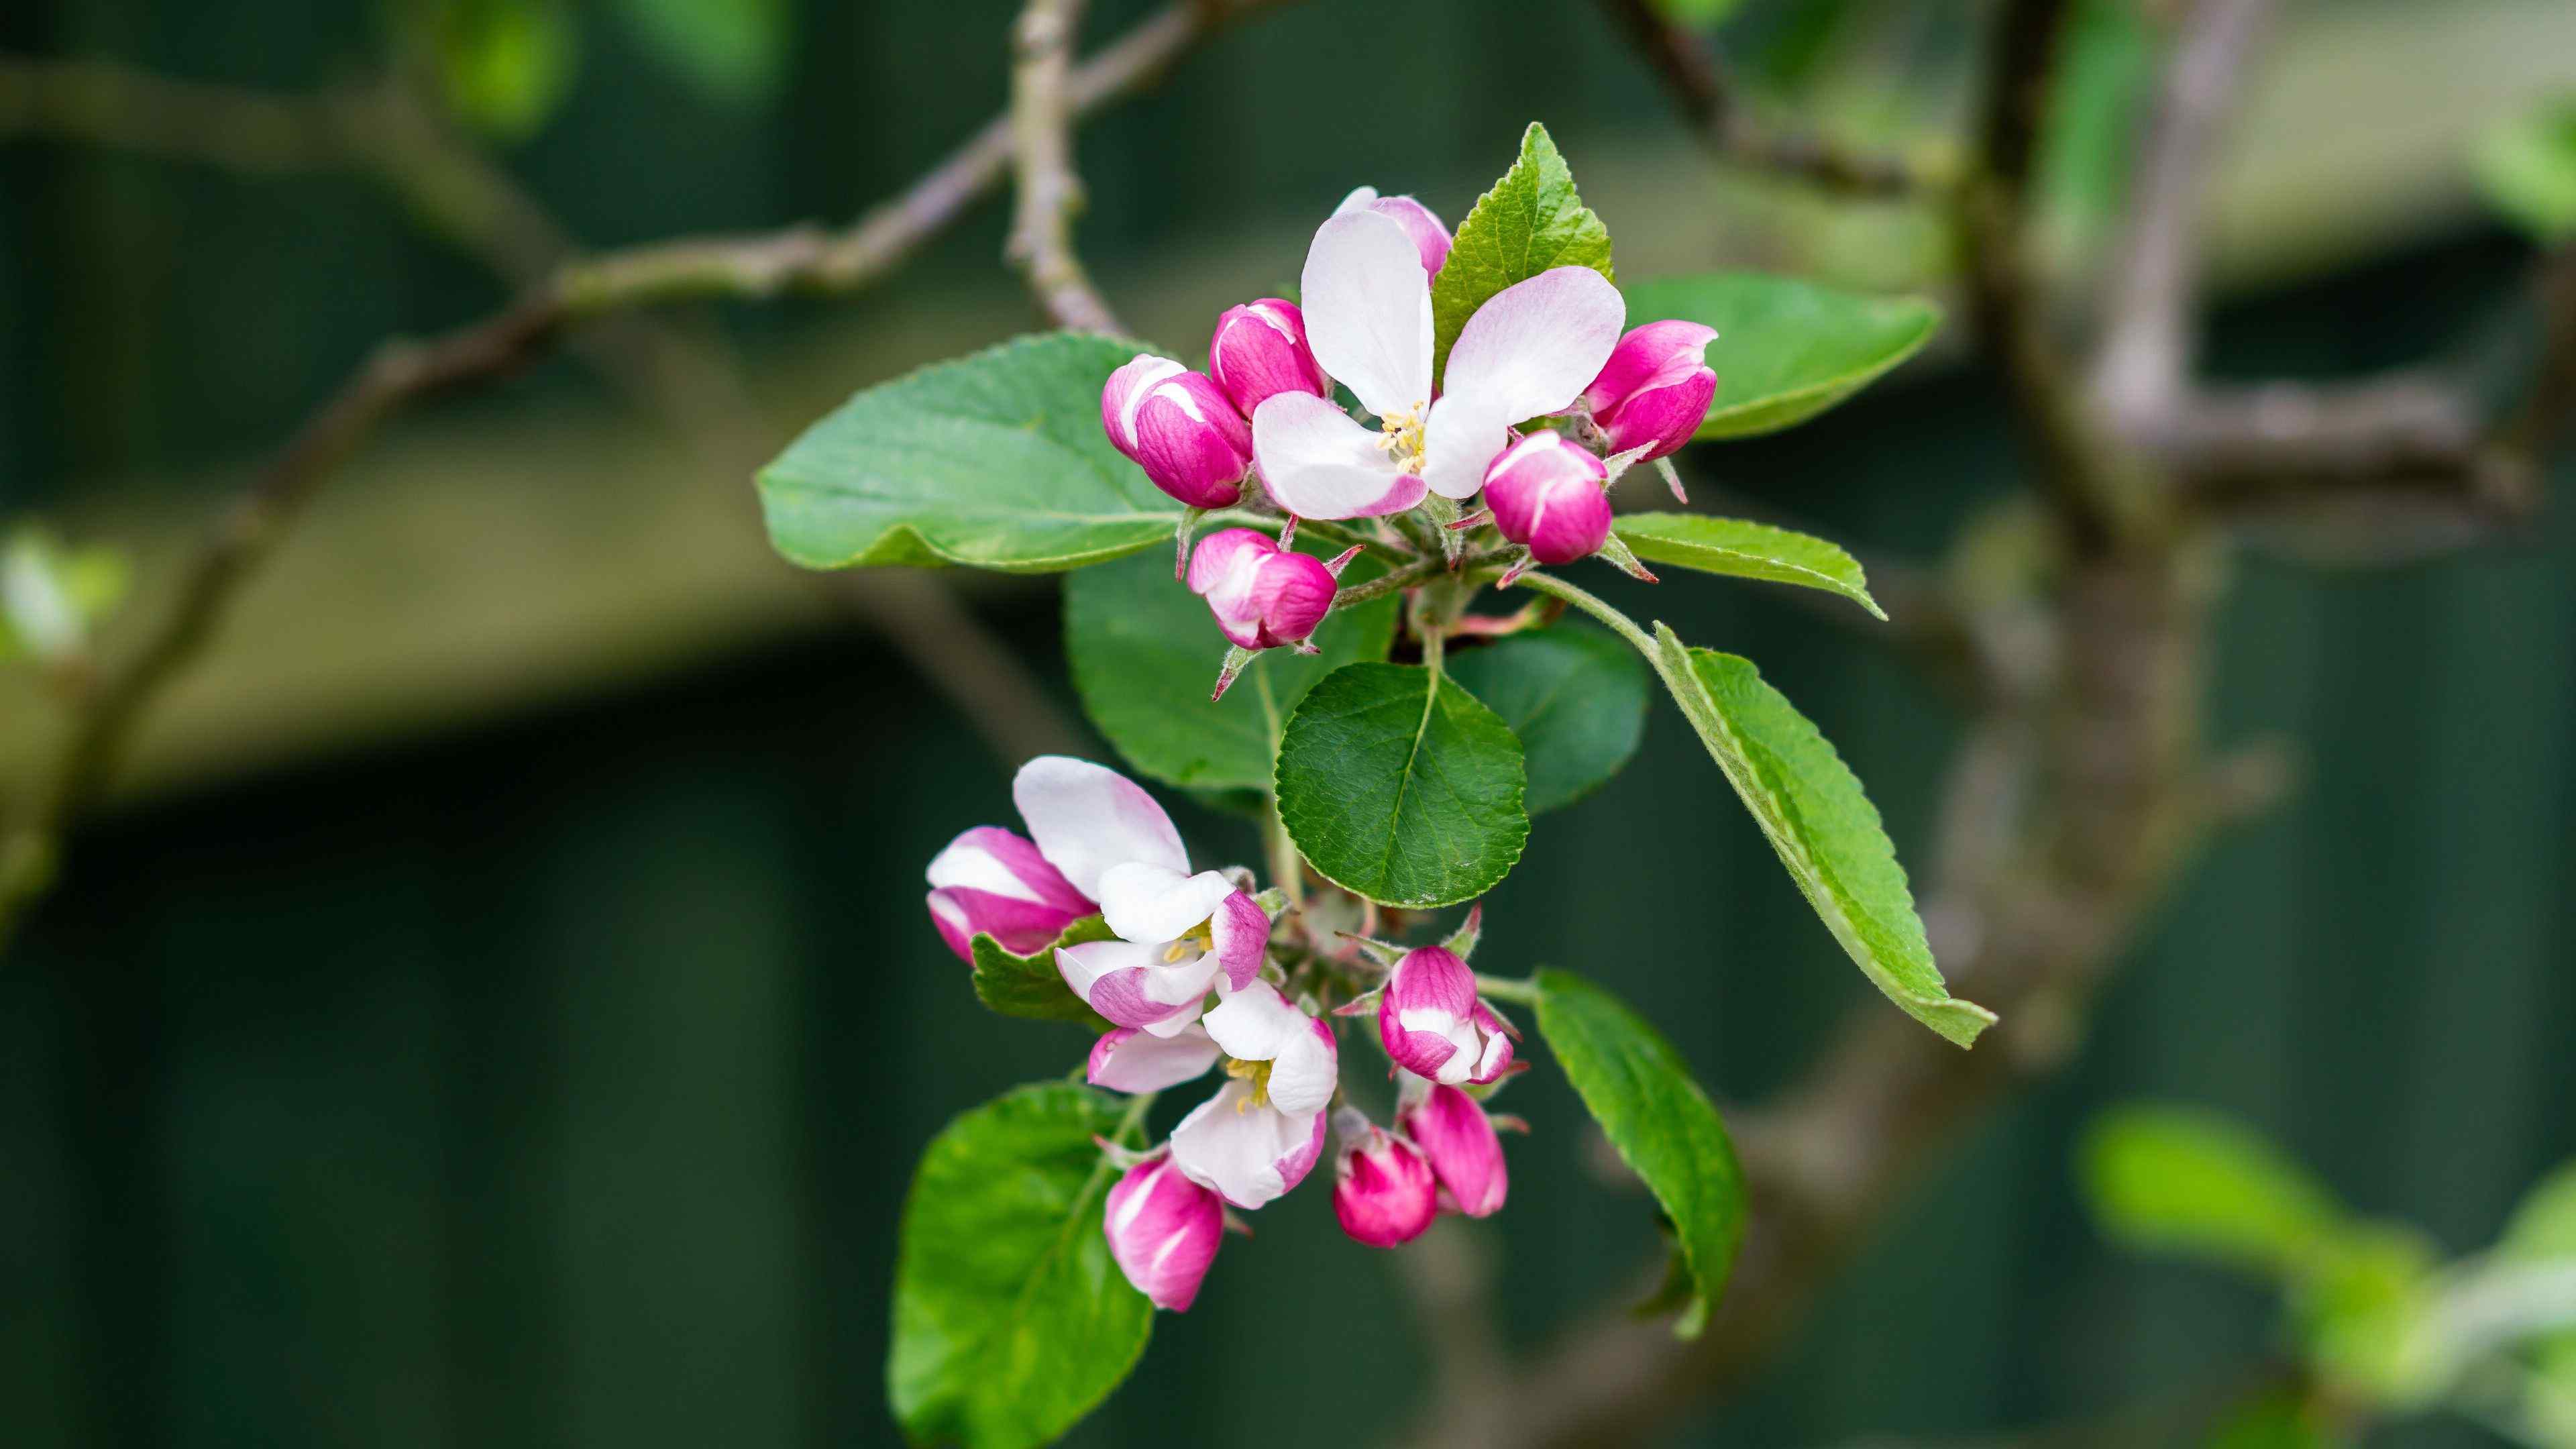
[1430, 238]
[1259, 351]
[1546, 492]
[1383, 1190]
[1263, 596]
[1163, 1229]
[1459, 1142]
[1435, 1025]
[1178, 426]
[1654, 391]
[993, 882]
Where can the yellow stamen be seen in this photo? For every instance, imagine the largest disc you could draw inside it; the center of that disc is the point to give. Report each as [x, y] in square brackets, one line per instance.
[1200, 940]
[1258, 1074]
[1400, 434]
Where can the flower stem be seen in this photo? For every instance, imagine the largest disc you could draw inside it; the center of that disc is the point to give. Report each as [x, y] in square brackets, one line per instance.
[1137, 1106]
[1287, 867]
[1508, 988]
[1626, 627]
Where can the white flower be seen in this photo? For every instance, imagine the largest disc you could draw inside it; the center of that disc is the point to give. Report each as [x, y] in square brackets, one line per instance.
[1261, 1133]
[1529, 351]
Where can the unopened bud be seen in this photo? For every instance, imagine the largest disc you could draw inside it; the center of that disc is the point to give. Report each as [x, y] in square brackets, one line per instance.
[1654, 391]
[1383, 1190]
[1259, 351]
[1459, 1143]
[1163, 1229]
[1180, 428]
[1263, 596]
[1546, 492]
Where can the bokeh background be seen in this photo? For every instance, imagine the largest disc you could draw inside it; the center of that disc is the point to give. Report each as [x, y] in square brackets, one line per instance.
[500, 1010]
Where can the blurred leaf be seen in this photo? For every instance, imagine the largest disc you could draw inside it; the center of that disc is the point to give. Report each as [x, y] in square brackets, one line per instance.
[2102, 83]
[1698, 13]
[1820, 823]
[2361, 1307]
[1031, 986]
[995, 461]
[2544, 1222]
[1530, 222]
[1145, 650]
[2527, 166]
[2543, 1229]
[1746, 550]
[734, 50]
[50, 598]
[1011, 1321]
[1576, 698]
[1786, 350]
[2185, 1180]
[1641, 1092]
[2279, 1419]
[506, 64]
[1400, 786]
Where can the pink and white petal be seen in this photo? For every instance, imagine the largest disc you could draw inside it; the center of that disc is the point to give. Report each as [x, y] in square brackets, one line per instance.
[1358, 200]
[989, 858]
[1256, 1023]
[1239, 933]
[1535, 345]
[1460, 440]
[1132, 1059]
[1123, 982]
[1164, 1231]
[1307, 1068]
[1436, 1045]
[1145, 902]
[1180, 983]
[1368, 311]
[949, 915]
[1294, 1167]
[1239, 1150]
[1022, 927]
[1087, 818]
[1318, 463]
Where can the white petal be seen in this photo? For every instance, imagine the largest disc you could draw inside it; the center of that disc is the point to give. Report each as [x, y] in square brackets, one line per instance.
[1460, 441]
[1535, 345]
[1368, 311]
[1087, 818]
[1317, 463]
[1359, 198]
[1237, 1150]
[1254, 1024]
[1130, 1060]
[1177, 982]
[1303, 1075]
[1145, 902]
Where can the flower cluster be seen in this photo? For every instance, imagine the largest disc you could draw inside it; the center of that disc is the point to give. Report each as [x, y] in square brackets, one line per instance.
[1548, 349]
[1190, 983]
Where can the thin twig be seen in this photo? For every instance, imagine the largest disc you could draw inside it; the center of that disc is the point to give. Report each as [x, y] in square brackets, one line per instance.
[2140, 370]
[1050, 190]
[1706, 92]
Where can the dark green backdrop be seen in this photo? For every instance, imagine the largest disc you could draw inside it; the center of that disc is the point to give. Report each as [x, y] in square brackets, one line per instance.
[558, 1083]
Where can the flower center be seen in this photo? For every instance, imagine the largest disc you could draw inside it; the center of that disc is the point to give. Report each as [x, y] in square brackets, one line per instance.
[1400, 437]
[1196, 941]
[1258, 1074]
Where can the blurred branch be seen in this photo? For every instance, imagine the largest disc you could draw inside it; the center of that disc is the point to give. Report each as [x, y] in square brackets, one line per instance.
[1708, 95]
[401, 372]
[1050, 191]
[2142, 365]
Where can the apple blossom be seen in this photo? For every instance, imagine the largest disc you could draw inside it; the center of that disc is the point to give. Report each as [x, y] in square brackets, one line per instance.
[994, 883]
[1430, 238]
[1259, 351]
[1263, 596]
[1164, 1230]
[1131, 1059]
[1548, 492]
[1262, 1131]
[1458, 1140]
[1435, 1025]
[1654, 391]
[1383, 1190]
[1180, 428]
[1528, 351]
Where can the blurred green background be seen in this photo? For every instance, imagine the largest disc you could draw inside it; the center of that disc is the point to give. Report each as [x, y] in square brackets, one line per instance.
[503, 1012]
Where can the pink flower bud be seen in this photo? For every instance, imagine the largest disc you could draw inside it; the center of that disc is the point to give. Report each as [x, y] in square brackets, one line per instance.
[1459, 1143]
[1263, 596]
[1435, 1026]
[1163, 1229]
[1546, 491]
[1383, 1190]
[1430, 238]
[1177, 426]
[1656, 387]
[1260, 350]
[991, 881]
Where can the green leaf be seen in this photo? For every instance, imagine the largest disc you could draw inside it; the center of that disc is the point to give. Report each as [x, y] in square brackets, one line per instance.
[734, 50]
[1402, 787]
[1530, 222]
[1786, 350]
[1746, 550]
[506, 64]
[1031, 986]
[995, 461]
[1011, 1321]
[2526, 164]
[1145, 651]
[1820, 823]
[50, 597]
[1641, 1092]
[1576, 698]
[2190, 1181]
[2544, 1222]
[1700, 14]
